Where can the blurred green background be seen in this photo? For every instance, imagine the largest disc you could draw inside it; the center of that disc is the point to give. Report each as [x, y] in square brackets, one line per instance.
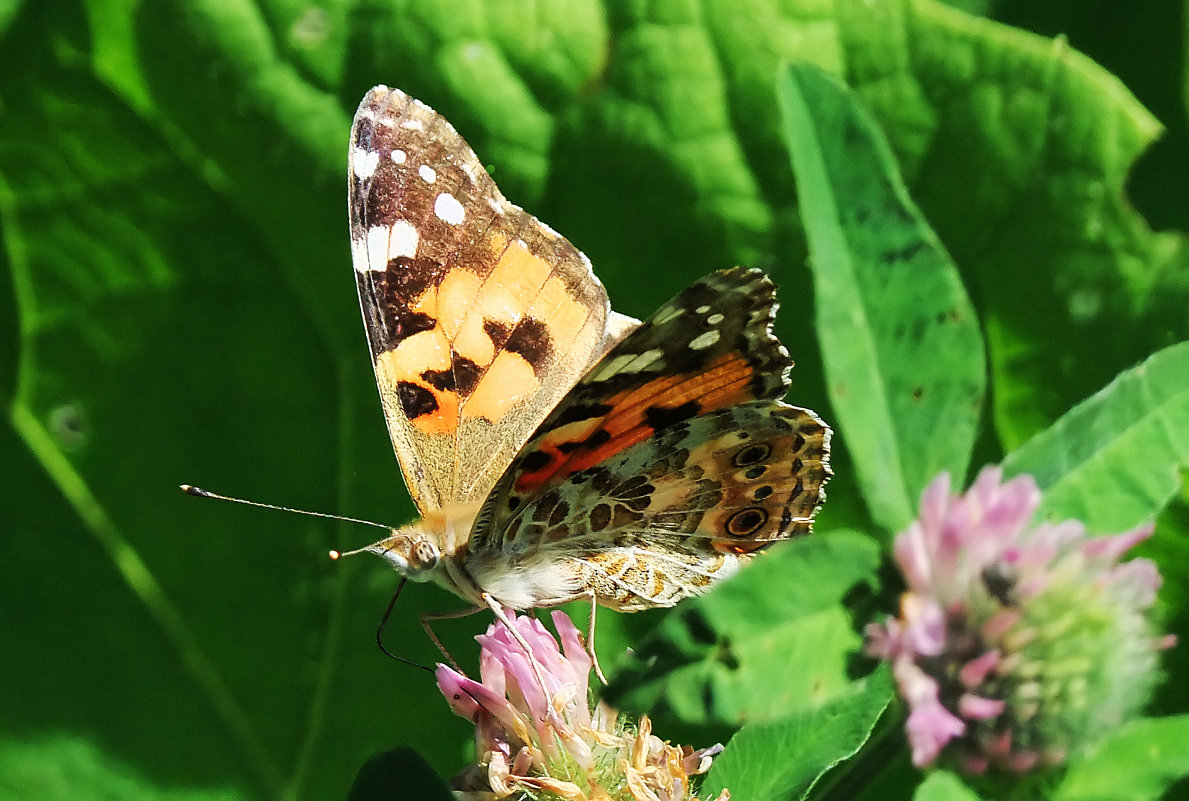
[178, 306]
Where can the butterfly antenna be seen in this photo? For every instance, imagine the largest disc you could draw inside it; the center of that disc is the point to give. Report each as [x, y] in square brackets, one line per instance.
[199, 492]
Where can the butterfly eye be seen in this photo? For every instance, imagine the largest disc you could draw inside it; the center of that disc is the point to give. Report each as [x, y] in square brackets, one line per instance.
[423, 555]
[746, 522]
[751, 454]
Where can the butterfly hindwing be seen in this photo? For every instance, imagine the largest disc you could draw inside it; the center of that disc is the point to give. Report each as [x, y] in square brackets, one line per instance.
[479, 317]
[665, 517]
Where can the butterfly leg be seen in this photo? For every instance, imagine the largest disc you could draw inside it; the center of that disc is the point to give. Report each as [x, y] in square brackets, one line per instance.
[590, 640]
[427, 621]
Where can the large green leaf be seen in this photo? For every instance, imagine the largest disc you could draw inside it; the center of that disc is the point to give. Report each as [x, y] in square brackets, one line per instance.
[900, 342]
[177, 306]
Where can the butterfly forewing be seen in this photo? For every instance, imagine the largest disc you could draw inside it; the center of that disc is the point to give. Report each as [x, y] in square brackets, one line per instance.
[479, 317]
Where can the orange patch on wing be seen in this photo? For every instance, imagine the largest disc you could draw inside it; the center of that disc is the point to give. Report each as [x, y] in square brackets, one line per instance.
[514, 283]
[427, 350]
[509, 380]
[503, 297]
[451, 300]
[559, 310]
[725, 382]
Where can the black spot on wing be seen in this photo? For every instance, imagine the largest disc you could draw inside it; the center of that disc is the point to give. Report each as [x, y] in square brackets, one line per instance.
[497, 332]
[534, 461]
[746, 521]
[530, 339]
[600, 517]
[415, 400]
[387, 296]
[439, 379]
[581, 411]
[466, 374]
[659, 418]
[462, 377]
[600, 437]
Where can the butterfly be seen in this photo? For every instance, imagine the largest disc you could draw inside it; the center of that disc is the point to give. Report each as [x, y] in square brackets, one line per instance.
[555, 449]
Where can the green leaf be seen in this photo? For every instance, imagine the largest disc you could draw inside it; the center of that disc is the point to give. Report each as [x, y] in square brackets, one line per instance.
[1116, 459]
[766, 643]
[941, 785]
[1072, 285]
[900, 339]
[66, 768]
[785, 759]
[1136, 763]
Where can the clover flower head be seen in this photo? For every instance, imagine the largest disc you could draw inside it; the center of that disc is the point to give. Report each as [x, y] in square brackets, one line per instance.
[537, 736]
[1017, 643]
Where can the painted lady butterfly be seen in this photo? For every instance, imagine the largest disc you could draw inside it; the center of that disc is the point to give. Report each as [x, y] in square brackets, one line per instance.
[557, 450]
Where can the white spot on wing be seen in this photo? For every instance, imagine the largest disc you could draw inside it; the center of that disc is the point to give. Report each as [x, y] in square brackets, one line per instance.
[377, 249]
[399, 156]
[359, 254]
[613, 367]
[413, 124]
[646, 359]
[427, 173]
[449, 209]
[364, 163]
[701, 310]
[629, 364]
[666, 314]
[384, 243]
[403, 240]
[704, 340]
[715, 319]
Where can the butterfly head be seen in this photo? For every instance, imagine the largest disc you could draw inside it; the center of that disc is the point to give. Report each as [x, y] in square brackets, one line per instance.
[411, 551]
